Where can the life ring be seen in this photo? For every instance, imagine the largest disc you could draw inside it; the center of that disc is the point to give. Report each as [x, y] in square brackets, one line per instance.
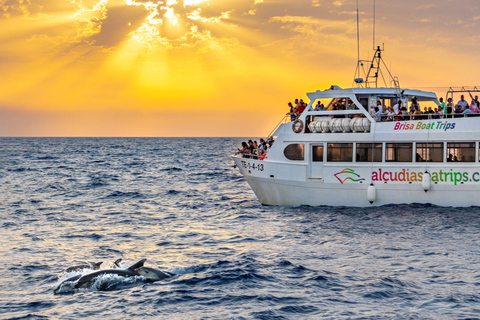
[263, 156]
[299, 128]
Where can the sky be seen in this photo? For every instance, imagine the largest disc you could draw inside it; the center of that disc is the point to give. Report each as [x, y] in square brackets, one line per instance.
[209, 68]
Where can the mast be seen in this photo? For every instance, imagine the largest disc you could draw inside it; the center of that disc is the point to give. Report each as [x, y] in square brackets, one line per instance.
[374, 73]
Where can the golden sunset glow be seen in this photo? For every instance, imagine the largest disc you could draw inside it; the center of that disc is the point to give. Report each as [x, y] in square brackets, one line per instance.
[211, 67]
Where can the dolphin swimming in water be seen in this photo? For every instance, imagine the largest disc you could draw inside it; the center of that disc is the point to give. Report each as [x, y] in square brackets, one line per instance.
[153, 274]
[87, 265]
[135, 270]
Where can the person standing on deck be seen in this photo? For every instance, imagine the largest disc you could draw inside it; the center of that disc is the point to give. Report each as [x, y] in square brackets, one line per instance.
[449, 106]
[442, 104]
[291, 112]
[299, 109]
[475, 100]
[462, 103]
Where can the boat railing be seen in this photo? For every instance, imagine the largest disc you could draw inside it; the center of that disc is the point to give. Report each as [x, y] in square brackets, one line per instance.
[407, 117]
[285, 119]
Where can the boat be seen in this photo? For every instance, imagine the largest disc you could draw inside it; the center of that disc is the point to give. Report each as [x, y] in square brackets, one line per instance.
[347, 156]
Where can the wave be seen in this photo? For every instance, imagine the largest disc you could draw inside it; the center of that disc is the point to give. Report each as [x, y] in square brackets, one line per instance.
[126, 194]
[171, 169]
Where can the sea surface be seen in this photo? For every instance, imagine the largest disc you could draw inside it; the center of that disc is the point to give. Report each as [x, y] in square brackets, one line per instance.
[181, 204]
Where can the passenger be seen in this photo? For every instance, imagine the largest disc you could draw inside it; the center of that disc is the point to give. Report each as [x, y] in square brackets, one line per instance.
[384, 114]
[473, 107]
[414, 108]
[256, 152]
[415, 103]
[319, 106]
[396, 107]
[262, 147]
[449, 106]
[244, 151]
[390, 115]
[450, 157]
[458, 109]
[404, 113]
[419, 158]
[351, 105]
[376, 114]
[467, 111]
[300, 108]
[440, 113]
[462, 103]
[253, 150]
[477, 103]
[442, 104]
[380, 107]
[291, 112]
[416, 112]
[270, 142]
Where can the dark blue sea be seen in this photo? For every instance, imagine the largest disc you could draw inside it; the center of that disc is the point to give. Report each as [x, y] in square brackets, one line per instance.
[181, 204]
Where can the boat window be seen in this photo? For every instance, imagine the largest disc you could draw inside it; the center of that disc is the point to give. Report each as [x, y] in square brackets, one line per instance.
[461, 152]
[398, 152]
[340, 152]
[317, 153]
[369, 152]
[294, 151]
[431, 152]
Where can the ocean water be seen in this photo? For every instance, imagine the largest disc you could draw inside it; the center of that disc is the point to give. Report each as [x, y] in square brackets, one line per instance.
[181, 204]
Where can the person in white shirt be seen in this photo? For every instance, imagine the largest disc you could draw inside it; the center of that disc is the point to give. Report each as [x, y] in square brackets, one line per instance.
[462, 103]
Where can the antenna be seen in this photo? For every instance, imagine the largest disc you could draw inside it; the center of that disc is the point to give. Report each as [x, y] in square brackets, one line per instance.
[358, 43]
[373, 24]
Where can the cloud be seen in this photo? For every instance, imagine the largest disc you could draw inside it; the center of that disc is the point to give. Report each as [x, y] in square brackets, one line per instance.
[198, 54]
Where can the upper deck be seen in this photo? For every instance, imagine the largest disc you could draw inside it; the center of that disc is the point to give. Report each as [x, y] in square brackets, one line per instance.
[362, 101]
[349, 116]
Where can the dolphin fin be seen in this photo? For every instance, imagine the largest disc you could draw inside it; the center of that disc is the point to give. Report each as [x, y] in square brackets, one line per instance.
[137, 265]
[117, 263]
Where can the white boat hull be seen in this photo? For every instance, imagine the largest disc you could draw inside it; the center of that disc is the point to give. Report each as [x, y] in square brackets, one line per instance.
[292, 189]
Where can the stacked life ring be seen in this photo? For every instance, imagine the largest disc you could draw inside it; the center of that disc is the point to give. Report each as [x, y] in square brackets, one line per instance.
[297, 126]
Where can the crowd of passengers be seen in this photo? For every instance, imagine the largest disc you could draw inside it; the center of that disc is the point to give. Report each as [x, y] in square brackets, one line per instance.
[254, 150]
[300, 106]
[399, 111]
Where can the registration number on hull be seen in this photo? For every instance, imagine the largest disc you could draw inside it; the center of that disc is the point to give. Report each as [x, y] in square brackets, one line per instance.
[252, 166]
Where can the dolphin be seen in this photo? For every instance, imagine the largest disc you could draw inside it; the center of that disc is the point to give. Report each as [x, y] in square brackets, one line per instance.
[88, 280]
[153, 274]
[135, 270]
[87, 265]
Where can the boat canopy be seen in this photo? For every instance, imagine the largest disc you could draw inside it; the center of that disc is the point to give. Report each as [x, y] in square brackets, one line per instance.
[337, 92]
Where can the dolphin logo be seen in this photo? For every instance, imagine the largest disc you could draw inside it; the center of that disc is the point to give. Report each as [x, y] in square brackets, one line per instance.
[347, 174]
